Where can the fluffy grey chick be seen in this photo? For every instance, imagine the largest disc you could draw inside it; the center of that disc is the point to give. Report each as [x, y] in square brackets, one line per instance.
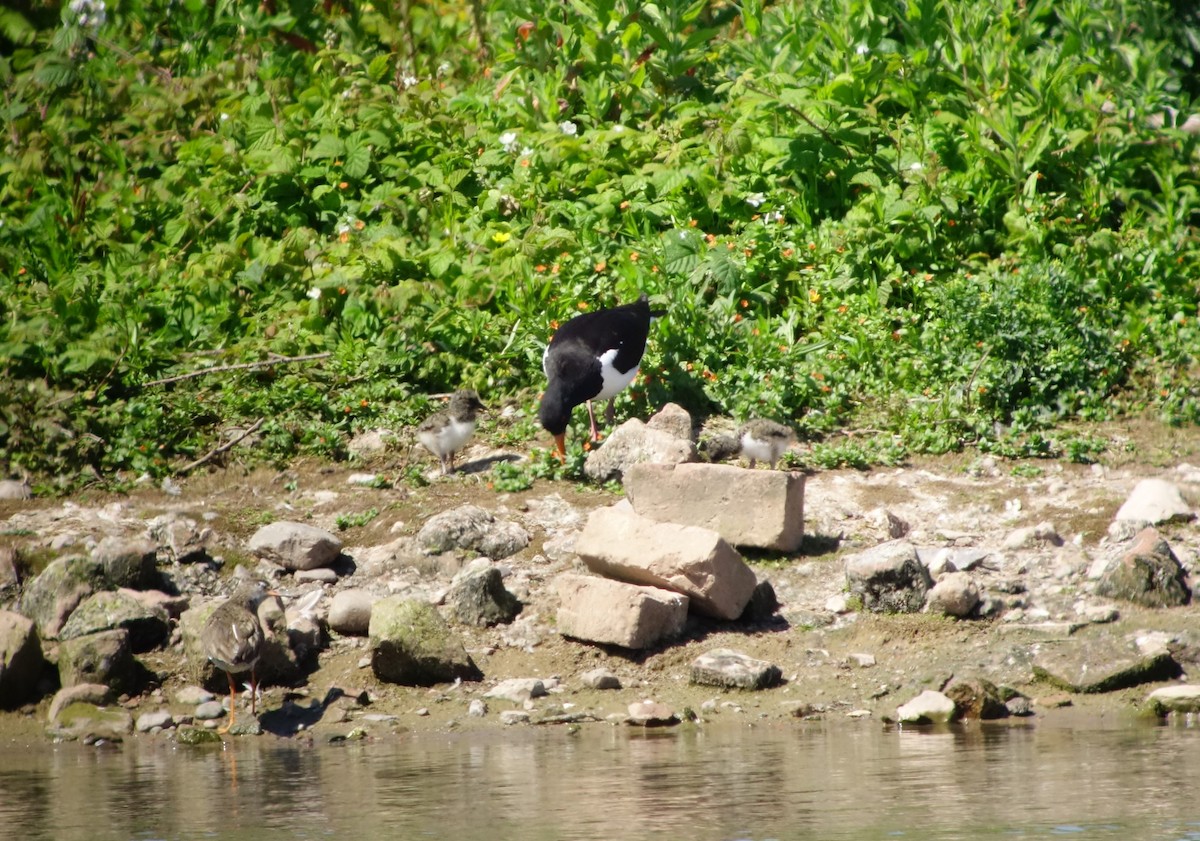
[765, 440]
[446, 432]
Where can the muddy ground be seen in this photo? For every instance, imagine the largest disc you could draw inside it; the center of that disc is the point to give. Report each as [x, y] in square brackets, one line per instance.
[836, 666]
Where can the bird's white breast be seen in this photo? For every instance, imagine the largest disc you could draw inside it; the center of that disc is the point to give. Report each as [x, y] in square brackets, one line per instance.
[450, 438]
[763, 449]
[614, 380]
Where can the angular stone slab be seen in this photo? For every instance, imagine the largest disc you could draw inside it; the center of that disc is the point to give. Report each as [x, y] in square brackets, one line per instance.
[632, 443]
[734, 670]
[1155, 501]
[411, 644]
[616, 613]
[759, 508]
[696, 562]
[1088, 666]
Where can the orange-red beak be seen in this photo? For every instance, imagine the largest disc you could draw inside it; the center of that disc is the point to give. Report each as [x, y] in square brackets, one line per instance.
[560, 446]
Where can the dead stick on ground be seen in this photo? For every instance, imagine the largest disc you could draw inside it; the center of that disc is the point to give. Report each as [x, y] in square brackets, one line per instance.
[241, 366]
[223, 448]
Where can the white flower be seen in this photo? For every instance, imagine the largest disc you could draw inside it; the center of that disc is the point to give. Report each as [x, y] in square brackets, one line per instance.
[343, 228]
[683, 234]
[508, 140]
[915, 166]
[618, 128]
[409, 81]
[862, 49]
[314, 293]
[89, 13]
[444, 68]
[224, 116]
[755, 199]
[773, 216]
[526, 151]
[568, 128]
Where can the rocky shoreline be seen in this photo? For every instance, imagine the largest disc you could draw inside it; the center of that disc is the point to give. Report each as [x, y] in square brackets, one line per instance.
[961, 589]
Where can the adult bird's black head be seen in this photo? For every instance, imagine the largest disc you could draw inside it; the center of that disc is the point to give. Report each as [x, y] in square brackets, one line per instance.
[592, 357]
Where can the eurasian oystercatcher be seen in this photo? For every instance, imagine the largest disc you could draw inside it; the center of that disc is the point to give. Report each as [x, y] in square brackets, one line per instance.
[592, 357]
[446, 432]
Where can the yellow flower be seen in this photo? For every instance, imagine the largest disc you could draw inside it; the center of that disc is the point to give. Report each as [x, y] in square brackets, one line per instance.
[814, 295]
[501, 237]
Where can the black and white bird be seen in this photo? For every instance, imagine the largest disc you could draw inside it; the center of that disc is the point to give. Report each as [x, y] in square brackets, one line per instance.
[764, 440]
[233, 639]
[446, 432]
[592, 357]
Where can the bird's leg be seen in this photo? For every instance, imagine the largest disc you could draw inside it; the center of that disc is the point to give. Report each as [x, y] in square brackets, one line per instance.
[752, 463]
[253, 692]
[592, 418]
[232, 705]
[610, 414]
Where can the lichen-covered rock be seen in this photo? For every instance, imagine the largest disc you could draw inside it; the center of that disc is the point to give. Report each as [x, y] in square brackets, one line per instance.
[147, 626]
[976, 698]
[1148, 573]
[731, 669]
[105, 657]
[889, 578]
[471, 527]
[478, 597]
[50, 597]
[126, 562]
[412, 645]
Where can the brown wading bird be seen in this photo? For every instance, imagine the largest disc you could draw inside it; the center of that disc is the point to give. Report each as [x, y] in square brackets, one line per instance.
[446, 432]
[233, 639]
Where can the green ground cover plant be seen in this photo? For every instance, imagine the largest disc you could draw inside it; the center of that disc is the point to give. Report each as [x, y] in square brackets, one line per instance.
[958, 224]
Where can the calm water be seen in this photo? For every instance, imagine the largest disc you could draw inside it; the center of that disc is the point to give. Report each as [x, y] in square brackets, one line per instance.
[781, 781]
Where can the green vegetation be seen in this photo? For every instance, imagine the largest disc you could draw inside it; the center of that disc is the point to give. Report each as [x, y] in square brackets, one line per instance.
[351, 521]
[955, 223]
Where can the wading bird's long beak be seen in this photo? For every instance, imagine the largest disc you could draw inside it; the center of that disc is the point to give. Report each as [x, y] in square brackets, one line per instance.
[560, 446]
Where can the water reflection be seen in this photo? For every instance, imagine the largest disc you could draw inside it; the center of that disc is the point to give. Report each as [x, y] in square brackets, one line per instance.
[781, 781]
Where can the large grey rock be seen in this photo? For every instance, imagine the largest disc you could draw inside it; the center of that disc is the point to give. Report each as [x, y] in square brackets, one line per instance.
[927, 708]
[694, 561]
[412, 645]
[105, 657]
[127, 562]
[295, 546]
[148, 627]
[478, 597]
[731, 669]
[20, 659]
[1155, 501]
[955, 594]
[673, 419]
[471, 527]
[350, 612]
[889, 578]
[1101, 665]
[83, 720]
[615, 613]
[50, 597]
[1148, 573]
[147, 721]
[631, 443]
[759, 508]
